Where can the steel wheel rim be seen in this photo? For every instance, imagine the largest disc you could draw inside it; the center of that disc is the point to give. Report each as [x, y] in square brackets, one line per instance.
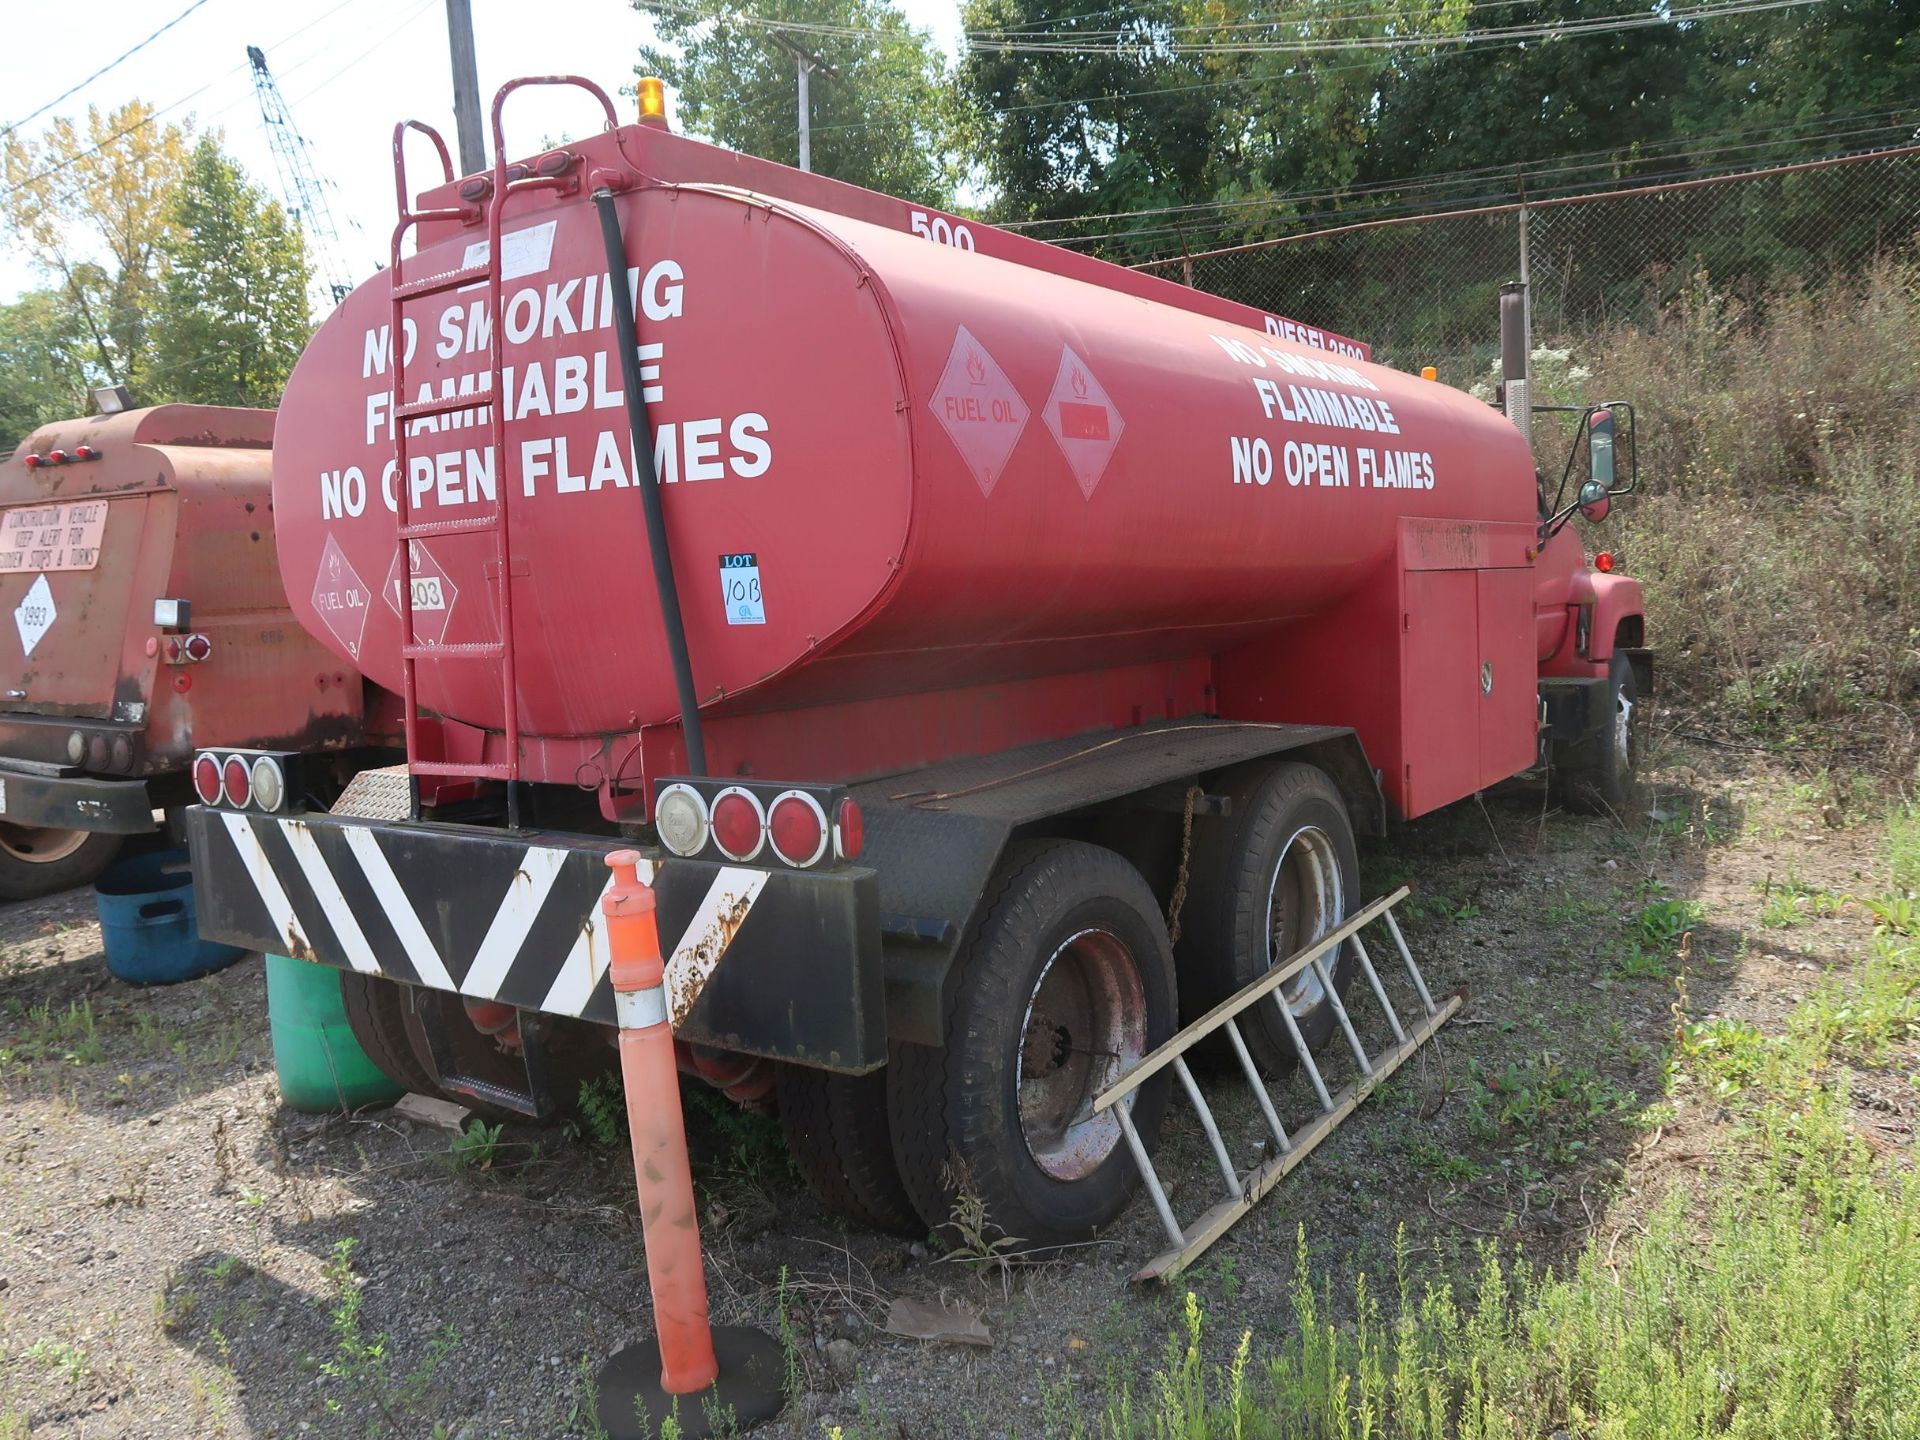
[40, 845]
[1623, 730]
[1305, 900]
[1085, 1023]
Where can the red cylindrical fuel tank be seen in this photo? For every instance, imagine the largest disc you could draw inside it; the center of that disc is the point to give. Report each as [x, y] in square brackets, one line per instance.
[889, 465]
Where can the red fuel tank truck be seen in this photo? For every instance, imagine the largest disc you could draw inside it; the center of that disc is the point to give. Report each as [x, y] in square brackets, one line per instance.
[909, 591]
[137, 565]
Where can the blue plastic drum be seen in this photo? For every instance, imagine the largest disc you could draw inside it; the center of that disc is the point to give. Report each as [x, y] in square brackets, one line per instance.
[147, 922]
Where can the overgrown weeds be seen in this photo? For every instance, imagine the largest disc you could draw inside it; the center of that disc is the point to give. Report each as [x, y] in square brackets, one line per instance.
[1780, 1302]
[1778, 529]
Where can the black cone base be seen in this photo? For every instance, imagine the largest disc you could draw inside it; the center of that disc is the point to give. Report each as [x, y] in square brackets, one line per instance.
[750, 1389]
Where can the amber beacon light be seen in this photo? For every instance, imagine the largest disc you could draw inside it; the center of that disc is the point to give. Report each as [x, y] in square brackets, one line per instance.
[653, 100]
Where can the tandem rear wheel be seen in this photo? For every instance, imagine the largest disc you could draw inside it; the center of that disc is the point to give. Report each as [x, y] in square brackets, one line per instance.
[1064, 981]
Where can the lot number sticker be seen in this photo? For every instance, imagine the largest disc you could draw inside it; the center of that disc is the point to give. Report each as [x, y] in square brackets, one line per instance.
[740, 586]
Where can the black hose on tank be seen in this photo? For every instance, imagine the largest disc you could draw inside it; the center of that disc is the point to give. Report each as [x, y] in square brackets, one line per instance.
[642, 433]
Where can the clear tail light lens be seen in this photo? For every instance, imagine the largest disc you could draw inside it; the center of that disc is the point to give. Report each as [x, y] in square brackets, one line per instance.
[797, 828]
[269, 784]
[680, 815]
[739, 824]
[849, 830]
[237, 781]
[206, 780]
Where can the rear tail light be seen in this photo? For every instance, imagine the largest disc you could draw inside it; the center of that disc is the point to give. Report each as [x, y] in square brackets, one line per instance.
[849, 830]
[85, 452]
[56, 457]
[739, 823]
[680, 816]
[34, 462]
[206, 779]
[237, 781]
[797, 828]
[269, 784]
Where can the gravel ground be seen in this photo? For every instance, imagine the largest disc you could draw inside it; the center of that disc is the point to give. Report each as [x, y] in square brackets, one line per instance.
[182, 1257]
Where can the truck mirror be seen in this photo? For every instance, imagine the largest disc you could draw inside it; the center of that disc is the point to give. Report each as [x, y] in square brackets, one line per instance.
[1599, 451]
[1595, 502]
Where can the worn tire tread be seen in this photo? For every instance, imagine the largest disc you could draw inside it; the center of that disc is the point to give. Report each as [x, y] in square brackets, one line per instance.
[373, 1014]
[841, 1142]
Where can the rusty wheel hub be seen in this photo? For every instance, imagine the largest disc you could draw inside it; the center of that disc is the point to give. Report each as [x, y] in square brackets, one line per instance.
[38, 846]
[1307, 900]
[1086, 1022]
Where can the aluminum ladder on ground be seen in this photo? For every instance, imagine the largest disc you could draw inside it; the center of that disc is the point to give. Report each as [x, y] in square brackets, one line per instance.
[1244, 1188]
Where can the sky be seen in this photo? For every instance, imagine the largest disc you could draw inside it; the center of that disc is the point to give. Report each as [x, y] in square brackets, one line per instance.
[347, 69]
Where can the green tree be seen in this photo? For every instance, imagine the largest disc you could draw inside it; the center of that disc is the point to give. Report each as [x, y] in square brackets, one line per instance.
[1117, 119]
[43, 365]
[882, 113]
[92, 205]
[232, 315]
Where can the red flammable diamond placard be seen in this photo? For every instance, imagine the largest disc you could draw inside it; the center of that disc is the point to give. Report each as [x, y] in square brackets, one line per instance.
[979, 408]
[433, 594]
[1083, 420]
[340, 598]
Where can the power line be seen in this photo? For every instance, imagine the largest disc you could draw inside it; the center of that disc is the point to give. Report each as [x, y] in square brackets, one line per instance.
[1487, 203]
[167, 109]
[1599, 25]
[1662, 151]
[75, 89]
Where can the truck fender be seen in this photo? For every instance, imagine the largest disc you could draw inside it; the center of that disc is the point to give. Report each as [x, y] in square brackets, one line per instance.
[935, 836]
[1619, 615]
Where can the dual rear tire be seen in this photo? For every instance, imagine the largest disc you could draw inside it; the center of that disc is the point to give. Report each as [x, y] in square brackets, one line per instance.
[1065, 980]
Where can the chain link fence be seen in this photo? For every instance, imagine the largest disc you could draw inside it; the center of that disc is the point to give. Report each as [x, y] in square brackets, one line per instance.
[1424, 289]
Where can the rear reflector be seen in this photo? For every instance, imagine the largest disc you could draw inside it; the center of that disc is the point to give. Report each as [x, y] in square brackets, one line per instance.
[797, 828]
[739, 824]
[237, 778]
[206, 780]
[849, 830]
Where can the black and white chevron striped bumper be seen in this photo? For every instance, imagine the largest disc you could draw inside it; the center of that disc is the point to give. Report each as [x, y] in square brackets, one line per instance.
[780, 963]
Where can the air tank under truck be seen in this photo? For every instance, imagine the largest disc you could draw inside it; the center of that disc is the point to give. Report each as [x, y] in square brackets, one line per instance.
[1016, 592]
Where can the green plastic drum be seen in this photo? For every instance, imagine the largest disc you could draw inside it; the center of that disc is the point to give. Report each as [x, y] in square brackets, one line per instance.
[321, 1066]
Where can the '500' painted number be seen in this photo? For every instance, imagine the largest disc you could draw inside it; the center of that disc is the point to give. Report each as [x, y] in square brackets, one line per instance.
[941, 230]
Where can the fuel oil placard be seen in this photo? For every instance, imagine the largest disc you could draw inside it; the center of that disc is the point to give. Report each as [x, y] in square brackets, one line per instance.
[52, 537]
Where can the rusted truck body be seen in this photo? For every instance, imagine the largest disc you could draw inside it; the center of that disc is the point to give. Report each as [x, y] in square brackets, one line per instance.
[139, 571]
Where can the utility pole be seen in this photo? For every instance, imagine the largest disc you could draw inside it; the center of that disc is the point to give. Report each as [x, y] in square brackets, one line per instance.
[466, 87]
[806, 130]
[805, 63]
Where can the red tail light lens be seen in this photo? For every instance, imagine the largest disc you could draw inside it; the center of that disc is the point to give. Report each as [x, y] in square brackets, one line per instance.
[849, 830]
[85, 452]
[56, 457]
[1603, 562]
[34, 462]
[238, 781]
[797, 828]
[206, 780]
[739, 824]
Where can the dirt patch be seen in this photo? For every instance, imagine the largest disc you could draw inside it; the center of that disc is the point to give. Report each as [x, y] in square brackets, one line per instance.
[182, 1257]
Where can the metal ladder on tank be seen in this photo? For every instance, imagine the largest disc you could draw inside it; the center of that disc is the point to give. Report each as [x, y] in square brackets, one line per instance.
[1242, 1189]
[493, 521]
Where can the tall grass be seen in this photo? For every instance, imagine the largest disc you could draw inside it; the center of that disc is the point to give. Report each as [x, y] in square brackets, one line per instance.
[1780, 1300]
[1779, 526]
